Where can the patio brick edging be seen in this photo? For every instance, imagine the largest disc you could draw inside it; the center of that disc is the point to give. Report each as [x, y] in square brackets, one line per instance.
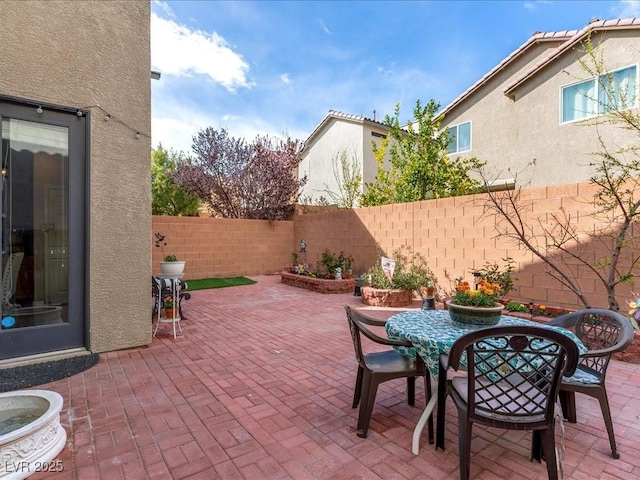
[321, 285]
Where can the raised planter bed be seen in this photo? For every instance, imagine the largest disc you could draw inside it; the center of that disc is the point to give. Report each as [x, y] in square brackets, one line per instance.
[378, 297]
[631, 354]
[321, 285]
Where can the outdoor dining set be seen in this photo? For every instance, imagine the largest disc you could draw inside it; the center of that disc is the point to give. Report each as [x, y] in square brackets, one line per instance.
[506, 376]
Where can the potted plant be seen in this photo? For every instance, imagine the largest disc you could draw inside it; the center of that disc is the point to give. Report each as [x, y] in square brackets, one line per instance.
[169, 306]
[170, 265]
[476, 307]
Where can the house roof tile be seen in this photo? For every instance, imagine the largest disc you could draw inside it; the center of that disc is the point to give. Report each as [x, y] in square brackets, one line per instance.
[340, 115]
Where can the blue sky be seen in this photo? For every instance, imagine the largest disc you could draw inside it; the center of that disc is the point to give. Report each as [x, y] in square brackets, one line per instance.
[277, 68]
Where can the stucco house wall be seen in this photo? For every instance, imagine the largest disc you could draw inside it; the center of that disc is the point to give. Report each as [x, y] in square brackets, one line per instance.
[95, 56]
[509, 132]
[338, 132]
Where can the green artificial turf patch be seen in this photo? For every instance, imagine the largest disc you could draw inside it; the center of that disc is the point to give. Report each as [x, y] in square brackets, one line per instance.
[203, 283]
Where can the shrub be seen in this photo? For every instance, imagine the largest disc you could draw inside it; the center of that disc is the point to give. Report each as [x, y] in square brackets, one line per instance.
[492, 273]
[411, 272]
[331, 262]
[513, 306]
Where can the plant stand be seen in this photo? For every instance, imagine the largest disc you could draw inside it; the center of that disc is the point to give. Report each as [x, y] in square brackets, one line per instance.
[175, 318]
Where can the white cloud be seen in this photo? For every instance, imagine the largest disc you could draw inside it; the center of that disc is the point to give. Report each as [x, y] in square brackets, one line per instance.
[285, 78]
[174, 125]
[180, 51]
[172, 134]
[627, 9]
[165, 8]
[324, 27]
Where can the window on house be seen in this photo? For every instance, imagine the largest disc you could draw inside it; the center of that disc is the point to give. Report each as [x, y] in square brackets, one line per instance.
[460, 136]
[597, 96]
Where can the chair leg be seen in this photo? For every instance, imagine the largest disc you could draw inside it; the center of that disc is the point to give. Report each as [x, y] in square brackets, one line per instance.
[369, 391]
[464, 444]
[601, 395]
[442, 399]
[411, 391]
[547, 437]
[358, 389]
[536, 446]
[568, 404]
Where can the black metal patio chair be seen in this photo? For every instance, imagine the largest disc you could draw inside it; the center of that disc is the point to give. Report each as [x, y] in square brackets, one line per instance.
[377, 367]
[603, 332]
[514, 375]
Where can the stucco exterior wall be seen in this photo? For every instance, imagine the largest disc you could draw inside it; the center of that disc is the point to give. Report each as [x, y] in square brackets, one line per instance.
[566, 152]
[369, 165]
[317, 162]
[510, 134]
[95, 56]
[339, 134]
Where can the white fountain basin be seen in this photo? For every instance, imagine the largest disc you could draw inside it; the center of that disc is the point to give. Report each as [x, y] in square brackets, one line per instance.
[30, 433]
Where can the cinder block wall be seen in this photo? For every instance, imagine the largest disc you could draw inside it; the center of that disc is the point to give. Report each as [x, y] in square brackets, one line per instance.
[456, 235]
[221, 247]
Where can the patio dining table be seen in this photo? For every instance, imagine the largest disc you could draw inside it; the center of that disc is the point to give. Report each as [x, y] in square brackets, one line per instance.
[432, 332]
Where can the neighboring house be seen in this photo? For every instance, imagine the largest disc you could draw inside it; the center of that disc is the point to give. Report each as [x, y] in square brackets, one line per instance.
[75, 105]
[338, 132]
[533, 104]
[538, 105]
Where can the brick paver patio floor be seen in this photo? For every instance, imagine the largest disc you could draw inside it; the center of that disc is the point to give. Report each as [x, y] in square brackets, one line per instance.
[259, 386]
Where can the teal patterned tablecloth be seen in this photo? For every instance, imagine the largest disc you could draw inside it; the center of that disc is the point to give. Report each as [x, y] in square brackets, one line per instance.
[432, 332]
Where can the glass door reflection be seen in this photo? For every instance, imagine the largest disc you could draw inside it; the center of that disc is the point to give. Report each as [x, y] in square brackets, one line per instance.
[35, 232]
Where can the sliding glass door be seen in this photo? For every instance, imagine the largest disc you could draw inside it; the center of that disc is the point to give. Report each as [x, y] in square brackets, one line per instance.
[42, 229]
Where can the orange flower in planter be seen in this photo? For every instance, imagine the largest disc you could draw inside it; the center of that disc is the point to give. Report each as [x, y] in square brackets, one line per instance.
[486, 295]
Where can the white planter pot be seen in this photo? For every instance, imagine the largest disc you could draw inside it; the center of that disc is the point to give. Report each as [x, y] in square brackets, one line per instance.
[172, 268]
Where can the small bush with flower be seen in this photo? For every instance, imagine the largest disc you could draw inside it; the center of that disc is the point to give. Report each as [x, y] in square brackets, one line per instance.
[411, 273]
[167, 301]
[486, 295]
[634, 312]
[326, 267]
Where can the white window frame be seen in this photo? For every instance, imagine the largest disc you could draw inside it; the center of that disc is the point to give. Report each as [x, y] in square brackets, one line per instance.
[595, 103]
[457, 127]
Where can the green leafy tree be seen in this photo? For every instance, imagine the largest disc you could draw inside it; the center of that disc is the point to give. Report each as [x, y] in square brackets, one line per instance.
[419, 166]
[167, 198]
[346, 171]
